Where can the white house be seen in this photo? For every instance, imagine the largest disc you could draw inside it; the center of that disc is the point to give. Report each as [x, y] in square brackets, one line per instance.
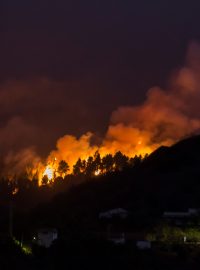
[176, 214]
[45, 237]
[190, 213]
[143, 245]
[119, 212]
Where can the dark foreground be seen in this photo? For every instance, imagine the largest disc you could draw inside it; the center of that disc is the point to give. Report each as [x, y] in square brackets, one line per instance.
[90, 254]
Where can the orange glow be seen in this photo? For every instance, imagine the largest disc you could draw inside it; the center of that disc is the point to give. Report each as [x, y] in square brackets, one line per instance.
[97, 172]
[165, 117]
[49, 172]
[15, 191]
[119, 138]
[128, 140]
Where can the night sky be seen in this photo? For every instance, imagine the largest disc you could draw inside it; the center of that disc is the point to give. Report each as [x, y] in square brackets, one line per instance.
[65, 66]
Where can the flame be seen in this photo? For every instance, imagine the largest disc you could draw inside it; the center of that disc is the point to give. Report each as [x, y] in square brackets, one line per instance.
[69, 148]
[165, 117]
[97, 172]
[49, 172]
[15, 191]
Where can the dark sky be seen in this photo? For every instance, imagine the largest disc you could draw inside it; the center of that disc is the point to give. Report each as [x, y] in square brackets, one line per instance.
[66, 65]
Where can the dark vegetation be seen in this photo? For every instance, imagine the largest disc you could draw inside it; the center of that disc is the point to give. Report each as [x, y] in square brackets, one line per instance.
[167, 180]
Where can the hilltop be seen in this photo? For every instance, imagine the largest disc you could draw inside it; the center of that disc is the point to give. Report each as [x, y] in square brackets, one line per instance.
[168, 179]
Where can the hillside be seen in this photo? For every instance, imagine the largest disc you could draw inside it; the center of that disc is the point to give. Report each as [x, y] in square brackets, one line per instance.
[169, 179]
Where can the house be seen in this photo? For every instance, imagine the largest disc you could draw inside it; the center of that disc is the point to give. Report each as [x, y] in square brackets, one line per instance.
[182, 218]
[117, 212]
[170, 215]
[143, 245]
[46, 237]
[190, 213]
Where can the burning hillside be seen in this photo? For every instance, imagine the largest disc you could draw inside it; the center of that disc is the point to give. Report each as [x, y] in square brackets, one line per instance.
[166, 116]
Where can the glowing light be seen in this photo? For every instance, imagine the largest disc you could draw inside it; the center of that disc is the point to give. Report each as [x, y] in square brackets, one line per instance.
[15, 191]
[97, 172]
[140, 142]
[49, 172]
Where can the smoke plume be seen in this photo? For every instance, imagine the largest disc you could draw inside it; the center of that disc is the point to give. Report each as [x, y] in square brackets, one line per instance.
[166, 116]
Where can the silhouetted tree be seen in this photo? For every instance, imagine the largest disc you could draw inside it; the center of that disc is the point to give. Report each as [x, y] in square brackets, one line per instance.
[45, 180]
[90, 166]
[97, 162]
[120, 161]
[79, 167]
[23, 183]
[63, 168]
[136, 161]
[35, 182]
[107, 163]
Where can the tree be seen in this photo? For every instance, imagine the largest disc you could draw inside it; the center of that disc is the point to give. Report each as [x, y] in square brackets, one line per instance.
[120, 161]
[45, 180]
[90, 166]
[136, 161]
[167, 234]
[63, 168]
[97, 162]
[107, 163]
[78, 167]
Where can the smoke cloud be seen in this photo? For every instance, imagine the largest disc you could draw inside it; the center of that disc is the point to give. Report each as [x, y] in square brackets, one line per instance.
[166, 116]
[70, 148]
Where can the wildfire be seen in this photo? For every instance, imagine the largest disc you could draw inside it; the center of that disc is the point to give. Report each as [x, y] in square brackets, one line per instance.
[15, 191]
[165, 117]
[70, 149]
[97, 172]
[49, 172]
[83, 150]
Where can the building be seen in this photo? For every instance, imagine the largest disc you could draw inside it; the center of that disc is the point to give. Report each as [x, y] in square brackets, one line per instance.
[117, 212]
[143, 245]
[46, 237]
[182, 218]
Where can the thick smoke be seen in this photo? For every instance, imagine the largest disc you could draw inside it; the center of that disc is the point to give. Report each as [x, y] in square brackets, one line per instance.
[34, 112]
[16, 155]
[166, 116]
[26, 161]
